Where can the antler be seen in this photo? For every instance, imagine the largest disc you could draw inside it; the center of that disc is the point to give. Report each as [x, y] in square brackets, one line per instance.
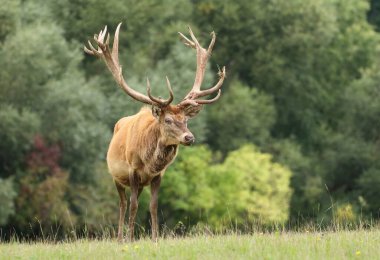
[202, 57]
[111, 58]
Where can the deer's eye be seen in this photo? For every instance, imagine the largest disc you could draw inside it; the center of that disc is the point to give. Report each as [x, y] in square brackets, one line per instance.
[168, 121]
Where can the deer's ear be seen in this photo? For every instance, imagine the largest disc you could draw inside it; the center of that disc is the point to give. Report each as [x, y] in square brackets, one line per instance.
[192, 111]
[156, 111]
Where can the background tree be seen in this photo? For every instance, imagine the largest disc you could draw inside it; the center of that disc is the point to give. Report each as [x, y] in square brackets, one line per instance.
[243, 115]
[262, 188]
[246, 188]
[7, 195]
[301, 96]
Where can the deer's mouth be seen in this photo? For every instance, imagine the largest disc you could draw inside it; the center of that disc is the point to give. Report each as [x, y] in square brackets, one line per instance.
[188, 143]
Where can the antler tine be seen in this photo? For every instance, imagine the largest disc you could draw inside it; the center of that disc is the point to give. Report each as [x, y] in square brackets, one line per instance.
[196, 102]
[222, 75]
[170, 90]
[211, 45]
[88, 51]
[102, 34]
[158, 100]
[195, 40]
[209, 101]
[108, 39]
[186, 41]
[202, 57]
[115, 46]
[111, 58]
[99, 39]
[93, 51]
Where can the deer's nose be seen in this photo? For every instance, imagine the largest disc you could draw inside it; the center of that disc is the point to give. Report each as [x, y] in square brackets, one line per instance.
[189, 138]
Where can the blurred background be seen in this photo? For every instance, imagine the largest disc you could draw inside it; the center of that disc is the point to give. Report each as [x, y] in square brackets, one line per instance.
[294, 139]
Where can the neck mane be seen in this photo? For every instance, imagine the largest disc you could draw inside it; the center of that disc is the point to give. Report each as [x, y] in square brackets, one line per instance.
[158, 154]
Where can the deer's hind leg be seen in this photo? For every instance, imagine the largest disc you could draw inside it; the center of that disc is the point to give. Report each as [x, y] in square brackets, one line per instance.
[122, 209]
[154, 187]
[136, 190]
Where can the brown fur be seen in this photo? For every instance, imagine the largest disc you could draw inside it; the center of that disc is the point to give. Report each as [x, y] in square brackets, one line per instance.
[141, 149]
[138, 145]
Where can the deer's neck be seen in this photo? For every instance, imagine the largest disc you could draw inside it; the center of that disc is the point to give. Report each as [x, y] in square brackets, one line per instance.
[160, 153]
[163, 156]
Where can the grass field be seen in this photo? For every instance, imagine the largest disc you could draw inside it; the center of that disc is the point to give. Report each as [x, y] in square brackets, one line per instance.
[329, 245]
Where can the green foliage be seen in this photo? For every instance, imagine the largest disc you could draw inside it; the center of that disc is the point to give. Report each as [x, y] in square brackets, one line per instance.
[34, 13]
[369, 184]
[301, 52]
[186, 194]
[345, 215]
[242, 115]
[95, 204]
[70, 108]
[9, 11]
[66, 109]
[263, 187]
[34, 65]
[306, 180]
[342, 161]
[361, 123]
[374, 14]
[41, 203]
[306, 55]
[148, 26]
[248, 187]
[362, 116]
[7, 195]
[80, 108]
[17, 129]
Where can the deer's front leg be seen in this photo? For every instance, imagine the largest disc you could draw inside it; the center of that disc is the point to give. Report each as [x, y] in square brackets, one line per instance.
[133, 204]
[154, 188]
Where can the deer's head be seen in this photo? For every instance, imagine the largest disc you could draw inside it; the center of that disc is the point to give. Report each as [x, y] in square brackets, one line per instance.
[171, 118]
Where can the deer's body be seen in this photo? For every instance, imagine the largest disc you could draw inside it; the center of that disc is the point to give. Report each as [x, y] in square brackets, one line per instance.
[138, 146]
[144, 145]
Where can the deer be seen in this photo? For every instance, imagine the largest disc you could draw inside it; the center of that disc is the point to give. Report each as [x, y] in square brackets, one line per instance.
[145, 144]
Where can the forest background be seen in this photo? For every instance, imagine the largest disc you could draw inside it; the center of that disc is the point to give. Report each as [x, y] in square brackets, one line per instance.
[295, 137]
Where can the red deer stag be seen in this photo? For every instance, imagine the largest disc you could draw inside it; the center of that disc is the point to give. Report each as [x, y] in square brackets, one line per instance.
[145, 144]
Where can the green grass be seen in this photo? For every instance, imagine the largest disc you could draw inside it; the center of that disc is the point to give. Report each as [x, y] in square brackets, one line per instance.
[329, 245]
